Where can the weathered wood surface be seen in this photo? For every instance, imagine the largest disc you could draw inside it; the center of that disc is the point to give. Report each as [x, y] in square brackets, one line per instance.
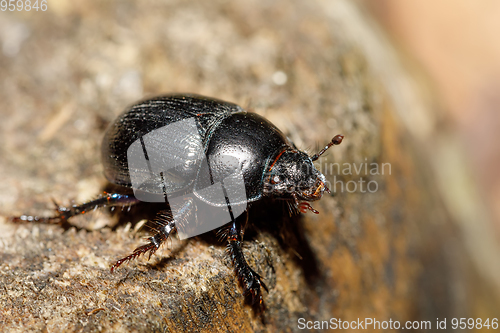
[392, 254]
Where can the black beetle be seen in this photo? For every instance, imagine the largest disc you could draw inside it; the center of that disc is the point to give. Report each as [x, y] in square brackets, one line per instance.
[270, 166]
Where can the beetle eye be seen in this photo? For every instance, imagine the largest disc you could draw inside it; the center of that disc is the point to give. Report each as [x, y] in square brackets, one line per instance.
[275, 179]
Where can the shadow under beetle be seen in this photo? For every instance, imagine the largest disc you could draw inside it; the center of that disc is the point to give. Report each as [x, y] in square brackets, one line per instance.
[269, 164]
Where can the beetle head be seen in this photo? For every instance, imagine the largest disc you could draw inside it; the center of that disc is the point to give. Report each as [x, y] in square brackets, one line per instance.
[293, 176]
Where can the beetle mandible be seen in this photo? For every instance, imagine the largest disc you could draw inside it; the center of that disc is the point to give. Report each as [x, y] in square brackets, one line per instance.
[228, 137]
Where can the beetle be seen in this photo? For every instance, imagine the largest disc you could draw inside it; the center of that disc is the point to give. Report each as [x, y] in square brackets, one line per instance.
[209, 140]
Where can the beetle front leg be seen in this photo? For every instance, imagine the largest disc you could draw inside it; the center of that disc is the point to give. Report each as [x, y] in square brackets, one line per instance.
[250, 280]
[303, 206]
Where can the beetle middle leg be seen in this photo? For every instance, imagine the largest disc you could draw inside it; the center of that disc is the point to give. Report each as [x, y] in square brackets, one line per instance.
[164, 225]
[63, 214]
[250, 280]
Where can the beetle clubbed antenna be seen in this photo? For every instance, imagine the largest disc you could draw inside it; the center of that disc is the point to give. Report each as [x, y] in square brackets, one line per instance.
[337, 139]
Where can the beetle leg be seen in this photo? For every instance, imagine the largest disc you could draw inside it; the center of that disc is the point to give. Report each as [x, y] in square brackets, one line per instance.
[63, 213]
[164, 226]
[249, 279]
[303, 206]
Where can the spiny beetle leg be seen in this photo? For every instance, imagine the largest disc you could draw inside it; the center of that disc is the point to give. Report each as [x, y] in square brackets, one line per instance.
[164, 225]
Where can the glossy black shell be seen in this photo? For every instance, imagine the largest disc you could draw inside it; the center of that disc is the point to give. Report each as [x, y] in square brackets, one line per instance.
[225, 129]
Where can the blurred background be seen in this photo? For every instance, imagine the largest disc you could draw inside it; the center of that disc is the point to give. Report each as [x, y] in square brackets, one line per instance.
[456, 47]
[453, 49]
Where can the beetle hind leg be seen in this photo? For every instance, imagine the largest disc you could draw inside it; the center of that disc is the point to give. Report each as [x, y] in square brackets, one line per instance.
[164, 226]
[63, 213]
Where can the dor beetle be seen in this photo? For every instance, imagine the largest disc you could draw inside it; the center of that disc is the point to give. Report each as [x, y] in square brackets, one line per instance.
[210, 141]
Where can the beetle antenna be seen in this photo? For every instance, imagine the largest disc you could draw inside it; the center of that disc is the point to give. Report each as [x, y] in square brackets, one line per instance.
[337, 139]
